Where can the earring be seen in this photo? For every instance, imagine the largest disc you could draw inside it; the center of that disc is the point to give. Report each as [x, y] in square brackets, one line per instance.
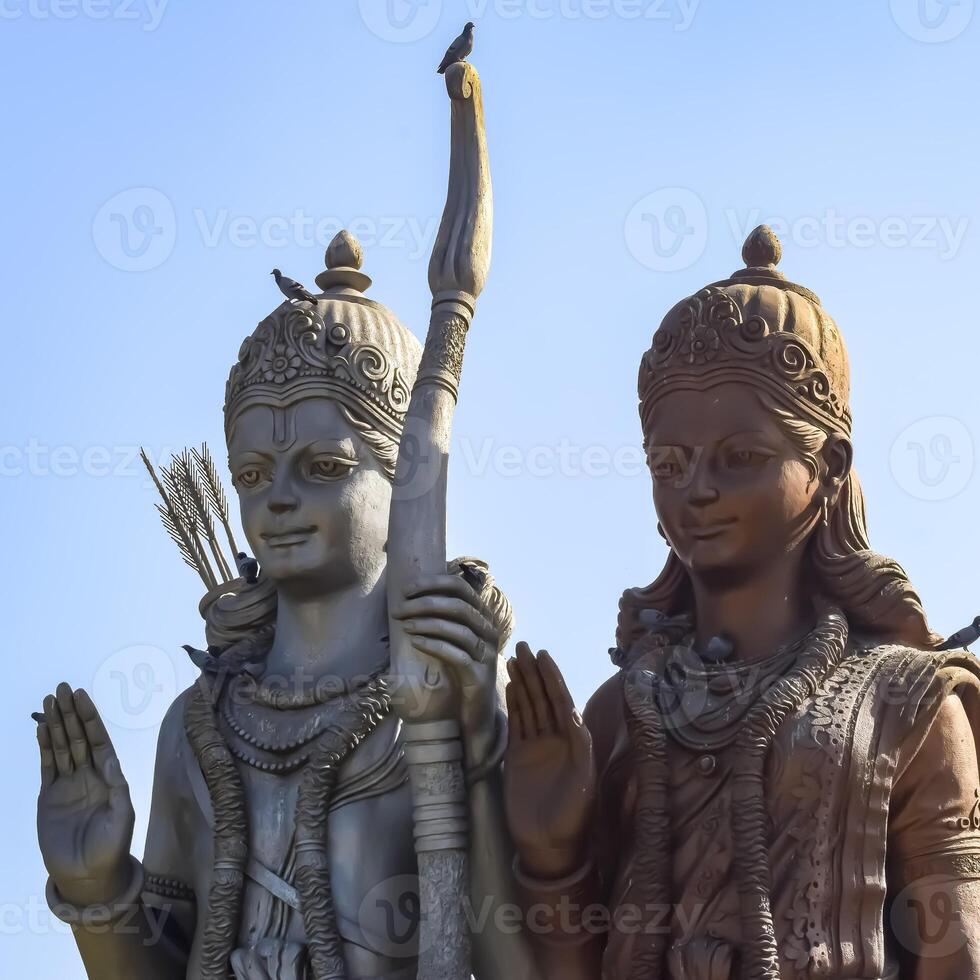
[825, 507]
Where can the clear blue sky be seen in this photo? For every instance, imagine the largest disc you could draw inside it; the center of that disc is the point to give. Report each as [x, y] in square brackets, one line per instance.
[160, 158]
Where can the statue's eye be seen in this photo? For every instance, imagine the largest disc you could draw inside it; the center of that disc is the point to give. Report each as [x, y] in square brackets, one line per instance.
[248, 477]
[666, 464]
[331, 467]
[742, 458]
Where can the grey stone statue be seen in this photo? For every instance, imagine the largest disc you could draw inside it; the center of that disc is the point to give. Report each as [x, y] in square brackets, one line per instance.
[327, 796]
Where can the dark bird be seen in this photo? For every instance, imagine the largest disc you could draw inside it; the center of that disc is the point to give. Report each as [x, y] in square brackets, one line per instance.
[719, 648]
[961, 639]
[460, 49]
[248, 567]
[245, 656]
[292, 289]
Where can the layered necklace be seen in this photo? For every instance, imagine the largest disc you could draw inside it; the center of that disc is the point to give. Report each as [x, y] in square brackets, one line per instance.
[794, 675]
[703, 703]
[280, 732]
[275, 729]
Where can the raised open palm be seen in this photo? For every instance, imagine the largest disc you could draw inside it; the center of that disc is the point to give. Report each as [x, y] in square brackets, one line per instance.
[550, 781]
[84, 813]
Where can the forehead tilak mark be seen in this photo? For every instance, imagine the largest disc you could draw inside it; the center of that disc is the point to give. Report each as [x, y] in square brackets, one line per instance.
[283, 428]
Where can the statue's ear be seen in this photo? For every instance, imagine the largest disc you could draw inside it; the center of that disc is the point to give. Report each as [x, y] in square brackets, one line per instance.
[838, 455]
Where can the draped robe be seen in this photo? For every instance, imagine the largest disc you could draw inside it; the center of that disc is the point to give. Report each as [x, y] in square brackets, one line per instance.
[873, 798]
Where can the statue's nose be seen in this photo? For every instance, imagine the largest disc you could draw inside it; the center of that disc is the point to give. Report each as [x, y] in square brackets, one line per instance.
[283, 503]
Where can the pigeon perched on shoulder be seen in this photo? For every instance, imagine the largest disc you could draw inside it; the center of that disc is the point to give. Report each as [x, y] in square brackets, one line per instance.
[248, 567]
[718, 648]
[245, 656]
[292, 289]
[459, 50]
[961, 639]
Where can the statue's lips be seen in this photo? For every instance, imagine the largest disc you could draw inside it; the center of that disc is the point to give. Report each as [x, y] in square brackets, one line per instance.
[703, 532]
[285, 539]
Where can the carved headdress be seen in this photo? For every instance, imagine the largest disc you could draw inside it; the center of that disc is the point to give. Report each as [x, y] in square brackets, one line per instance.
[346, 346]
[757, 327]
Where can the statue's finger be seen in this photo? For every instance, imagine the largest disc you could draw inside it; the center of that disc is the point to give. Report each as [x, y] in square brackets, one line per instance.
[515, 717]
[528, 666]
[475, 647]
[77, 740]
[446, 584]
[444, 651]
[59, 740]
[447, 607]
[48, 769]
[562, 705]
[111, 771]
[95, 730]
[521, 695]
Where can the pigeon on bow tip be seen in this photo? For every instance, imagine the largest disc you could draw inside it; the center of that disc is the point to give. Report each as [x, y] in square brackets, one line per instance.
[292, 289]
[459, 50]
[962, 639]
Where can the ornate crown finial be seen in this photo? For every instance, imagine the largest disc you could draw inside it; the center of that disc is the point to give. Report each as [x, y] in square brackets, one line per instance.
[344, 250]
[344, 257]
[346, 346]
[762, 248]
[755, 326]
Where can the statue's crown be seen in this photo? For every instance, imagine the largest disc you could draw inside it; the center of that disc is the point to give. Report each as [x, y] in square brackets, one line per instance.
[757, 327]
[343, 345]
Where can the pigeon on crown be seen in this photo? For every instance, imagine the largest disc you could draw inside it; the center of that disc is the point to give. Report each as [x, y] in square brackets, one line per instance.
[340, 345]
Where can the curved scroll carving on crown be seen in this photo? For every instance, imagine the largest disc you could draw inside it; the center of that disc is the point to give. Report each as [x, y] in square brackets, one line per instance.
[295, 343]
[711, 329]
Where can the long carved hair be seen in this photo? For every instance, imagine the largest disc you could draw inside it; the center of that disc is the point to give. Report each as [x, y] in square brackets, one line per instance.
[854, 587]
[873, 591]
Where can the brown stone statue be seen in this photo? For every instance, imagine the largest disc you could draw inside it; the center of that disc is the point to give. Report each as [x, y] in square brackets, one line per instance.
[328, 797]
[781, 780]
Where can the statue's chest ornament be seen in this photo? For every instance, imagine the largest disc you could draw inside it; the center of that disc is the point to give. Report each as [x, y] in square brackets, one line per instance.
[278, 731]
[704, 704]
